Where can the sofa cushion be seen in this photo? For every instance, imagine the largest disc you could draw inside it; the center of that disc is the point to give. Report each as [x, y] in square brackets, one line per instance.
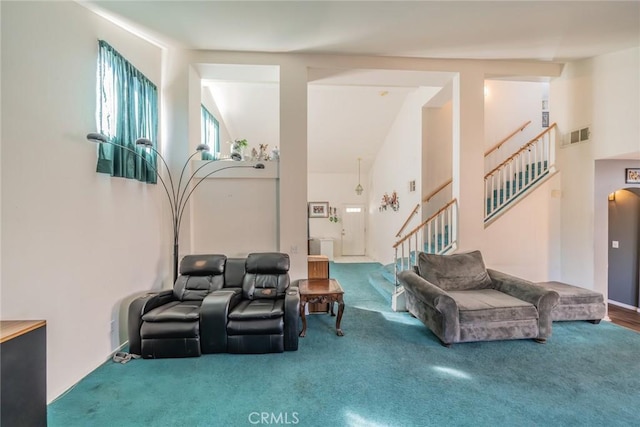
[454, 272]
[175, 311]
[570, 295]
[202, 265]
[489, 305]
[266, 276]
[169, 330]
[256, 327]
[258, 309]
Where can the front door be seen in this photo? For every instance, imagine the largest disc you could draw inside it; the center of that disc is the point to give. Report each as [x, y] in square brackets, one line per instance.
[353, 228]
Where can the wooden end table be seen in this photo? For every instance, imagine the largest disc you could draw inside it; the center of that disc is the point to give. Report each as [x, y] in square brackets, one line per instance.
[321, 291]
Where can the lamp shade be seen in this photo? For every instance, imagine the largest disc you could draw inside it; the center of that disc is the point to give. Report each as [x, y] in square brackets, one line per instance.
[144, 142]
[359, 188]
[96, 137]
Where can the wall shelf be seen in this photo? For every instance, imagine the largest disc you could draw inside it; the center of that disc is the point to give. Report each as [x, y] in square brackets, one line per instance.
[270, 171]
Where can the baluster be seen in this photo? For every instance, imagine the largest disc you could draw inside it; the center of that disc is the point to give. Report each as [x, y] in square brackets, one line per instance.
[395, 266]
[535, 171]
[519, 174]
[449, 221]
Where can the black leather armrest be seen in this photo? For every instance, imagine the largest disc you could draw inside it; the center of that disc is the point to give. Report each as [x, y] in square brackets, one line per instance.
[291, 318]
[137, 309]
[214, 312]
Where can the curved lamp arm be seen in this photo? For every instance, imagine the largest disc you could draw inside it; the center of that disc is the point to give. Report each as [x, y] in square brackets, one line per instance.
[178, 197]
[101, 139]
[144, 142]
[183, 204]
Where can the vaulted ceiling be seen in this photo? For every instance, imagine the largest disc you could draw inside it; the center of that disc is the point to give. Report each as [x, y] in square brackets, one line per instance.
[341, 105]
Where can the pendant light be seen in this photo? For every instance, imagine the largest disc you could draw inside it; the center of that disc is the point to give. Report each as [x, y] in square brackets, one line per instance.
[359, 188]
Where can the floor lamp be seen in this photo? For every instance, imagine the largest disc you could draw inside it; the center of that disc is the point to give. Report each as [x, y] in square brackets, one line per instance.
[179, 194]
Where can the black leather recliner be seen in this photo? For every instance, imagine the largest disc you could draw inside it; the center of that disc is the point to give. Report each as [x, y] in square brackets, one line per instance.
[262, 318]
[167, 324]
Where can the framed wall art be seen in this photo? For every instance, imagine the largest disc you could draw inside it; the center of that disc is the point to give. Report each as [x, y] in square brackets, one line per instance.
[632, 175]
[318, 209]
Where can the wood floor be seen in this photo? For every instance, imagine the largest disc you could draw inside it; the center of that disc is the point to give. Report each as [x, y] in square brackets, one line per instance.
[624, 317]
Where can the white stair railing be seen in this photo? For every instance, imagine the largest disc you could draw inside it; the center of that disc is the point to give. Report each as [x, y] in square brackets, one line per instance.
[519, 171]
[436, 234]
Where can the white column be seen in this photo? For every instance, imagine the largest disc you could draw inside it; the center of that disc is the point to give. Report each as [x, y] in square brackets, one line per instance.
[174, 143]
[293, 166]
[468, 158]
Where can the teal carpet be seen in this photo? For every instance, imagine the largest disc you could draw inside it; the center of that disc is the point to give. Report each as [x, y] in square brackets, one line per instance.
[388, 370]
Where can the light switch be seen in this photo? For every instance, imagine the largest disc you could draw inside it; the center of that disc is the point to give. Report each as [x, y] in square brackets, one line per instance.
[615, 244]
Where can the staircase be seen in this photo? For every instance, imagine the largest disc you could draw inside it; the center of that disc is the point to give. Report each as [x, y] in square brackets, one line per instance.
[519, 173]
[505, 184]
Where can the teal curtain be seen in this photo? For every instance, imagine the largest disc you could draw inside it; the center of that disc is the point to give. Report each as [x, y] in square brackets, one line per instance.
[210, 133]
[127, 110]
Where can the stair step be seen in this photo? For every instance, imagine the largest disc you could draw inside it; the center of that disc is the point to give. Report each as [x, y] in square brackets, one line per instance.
[388, 272]
[382, 285]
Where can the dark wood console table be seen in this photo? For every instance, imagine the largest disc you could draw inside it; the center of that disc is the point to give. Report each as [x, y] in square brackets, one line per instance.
[321, 291]
[23, 381]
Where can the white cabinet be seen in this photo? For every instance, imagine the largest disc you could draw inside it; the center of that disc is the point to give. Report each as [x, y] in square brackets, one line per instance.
[321, 246]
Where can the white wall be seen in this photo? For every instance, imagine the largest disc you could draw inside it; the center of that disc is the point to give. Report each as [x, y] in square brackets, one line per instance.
[210, 104]
[338, 189]
[235, 216]
[83, 230]
[254, 108]
[525, 240]
[398, 162]
[76, 244]
[436, 156]
[507, 106]
[601, 92]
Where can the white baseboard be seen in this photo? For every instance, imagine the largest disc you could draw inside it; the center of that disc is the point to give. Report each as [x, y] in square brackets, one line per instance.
[399, 301]
[619, 304]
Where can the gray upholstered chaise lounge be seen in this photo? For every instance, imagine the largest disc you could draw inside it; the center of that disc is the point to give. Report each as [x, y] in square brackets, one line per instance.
[576, 303]
[460, 300]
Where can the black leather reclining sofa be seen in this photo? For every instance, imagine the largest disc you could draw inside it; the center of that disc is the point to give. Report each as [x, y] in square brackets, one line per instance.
[218, 305]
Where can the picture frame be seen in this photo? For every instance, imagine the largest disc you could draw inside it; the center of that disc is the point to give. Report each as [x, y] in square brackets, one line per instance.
[545, 119]
[318, 209]
[632, 176]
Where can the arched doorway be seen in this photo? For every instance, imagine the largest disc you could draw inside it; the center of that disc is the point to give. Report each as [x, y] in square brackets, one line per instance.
[624, 248]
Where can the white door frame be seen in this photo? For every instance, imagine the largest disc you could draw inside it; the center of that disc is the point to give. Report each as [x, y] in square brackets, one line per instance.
[357, 233]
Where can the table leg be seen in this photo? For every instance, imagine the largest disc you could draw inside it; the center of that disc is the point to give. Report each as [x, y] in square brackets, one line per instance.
[339, 318]
[303, 305]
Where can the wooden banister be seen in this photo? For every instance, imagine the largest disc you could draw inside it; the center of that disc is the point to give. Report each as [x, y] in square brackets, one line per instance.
[511, 135]
[422, 224]
[523, 148]
[436, 191]
[413, 212]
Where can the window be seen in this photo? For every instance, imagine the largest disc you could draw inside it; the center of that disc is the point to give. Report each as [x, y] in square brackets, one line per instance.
[210, 133]
[127, 109]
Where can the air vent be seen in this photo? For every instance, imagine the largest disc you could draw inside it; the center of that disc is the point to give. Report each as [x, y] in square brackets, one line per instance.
[577, 136]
